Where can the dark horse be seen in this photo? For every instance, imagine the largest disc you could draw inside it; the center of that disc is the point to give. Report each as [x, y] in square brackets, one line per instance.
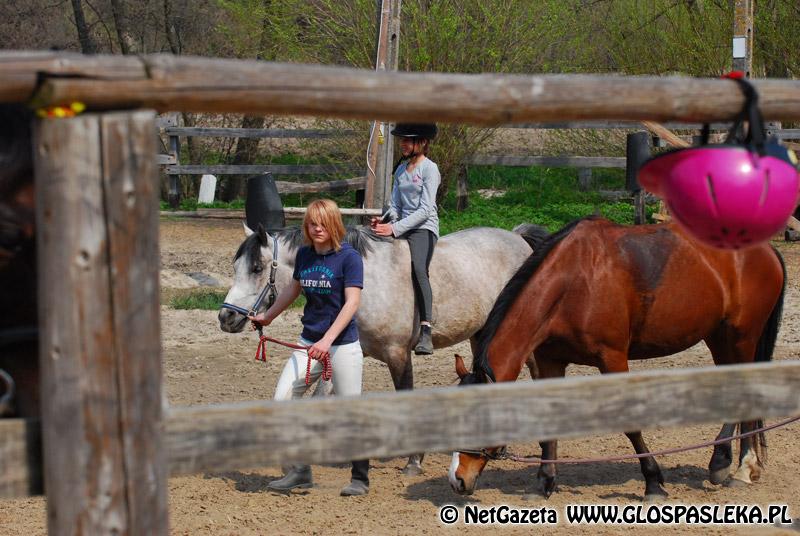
[19, 379]
[599, 294]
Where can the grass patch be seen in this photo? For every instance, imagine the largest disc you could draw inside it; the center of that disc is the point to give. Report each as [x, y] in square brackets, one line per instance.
[205, 299]
[545, 196]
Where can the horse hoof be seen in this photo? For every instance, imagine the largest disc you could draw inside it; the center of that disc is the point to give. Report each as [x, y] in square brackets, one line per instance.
[719, 476]
[655, 498]
[655, 494]
[413, 470]
[547, 486]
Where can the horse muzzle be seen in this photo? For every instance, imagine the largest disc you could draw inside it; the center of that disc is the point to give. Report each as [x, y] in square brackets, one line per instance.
[459, 484]
[461, 488]
[231, 321]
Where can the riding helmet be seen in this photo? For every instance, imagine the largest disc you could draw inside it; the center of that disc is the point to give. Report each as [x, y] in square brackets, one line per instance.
[730, 195]
[415, 130]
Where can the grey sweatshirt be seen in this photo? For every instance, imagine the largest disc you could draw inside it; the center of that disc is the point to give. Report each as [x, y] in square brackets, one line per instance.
[414, 198]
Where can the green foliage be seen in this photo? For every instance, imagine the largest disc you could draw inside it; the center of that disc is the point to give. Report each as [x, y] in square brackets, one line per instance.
[205, 299]
[548, 197]
[211, 300]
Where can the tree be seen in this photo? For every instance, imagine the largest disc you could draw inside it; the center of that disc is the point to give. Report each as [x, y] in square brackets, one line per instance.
[88, 45]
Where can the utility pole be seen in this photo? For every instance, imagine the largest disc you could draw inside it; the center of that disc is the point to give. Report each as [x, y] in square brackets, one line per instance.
[381, 149]
[743, 36]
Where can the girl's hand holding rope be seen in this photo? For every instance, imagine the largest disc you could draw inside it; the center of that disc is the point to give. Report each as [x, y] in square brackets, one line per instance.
[320, 349]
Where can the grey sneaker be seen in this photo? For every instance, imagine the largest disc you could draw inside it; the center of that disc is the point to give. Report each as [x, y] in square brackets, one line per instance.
[425, 344]
[355, 487]
[298, 477]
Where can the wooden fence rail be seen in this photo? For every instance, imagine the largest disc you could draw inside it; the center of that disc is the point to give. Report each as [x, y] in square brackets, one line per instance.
[275, 169]
[181, 83]
[550, 161]
[249, 434]
[207, 132]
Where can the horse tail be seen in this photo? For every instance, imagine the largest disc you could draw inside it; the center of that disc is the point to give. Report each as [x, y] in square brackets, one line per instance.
[766, 343]
[533, 234]
[764, 349]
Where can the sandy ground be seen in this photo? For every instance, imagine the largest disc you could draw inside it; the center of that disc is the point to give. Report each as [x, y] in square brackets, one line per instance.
[204, 365]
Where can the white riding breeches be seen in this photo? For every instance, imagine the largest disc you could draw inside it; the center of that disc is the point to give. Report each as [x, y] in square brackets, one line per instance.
[346, 364]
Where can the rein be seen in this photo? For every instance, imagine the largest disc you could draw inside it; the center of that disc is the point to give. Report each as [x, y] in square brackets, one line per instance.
[327, 368]
[503, 453]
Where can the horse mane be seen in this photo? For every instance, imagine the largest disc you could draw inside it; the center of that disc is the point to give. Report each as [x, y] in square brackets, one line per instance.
[481, 369]
[358, 236]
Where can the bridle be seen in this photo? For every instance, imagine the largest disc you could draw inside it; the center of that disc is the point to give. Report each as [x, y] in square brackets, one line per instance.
[269, 291]
[499, 454]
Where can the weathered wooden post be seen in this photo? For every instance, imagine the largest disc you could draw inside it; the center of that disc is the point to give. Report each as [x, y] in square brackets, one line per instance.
[381, 149]
[637, 151]
[743, 36]
[584, 179]
[174, 193]
[97, 224]
[462, 193]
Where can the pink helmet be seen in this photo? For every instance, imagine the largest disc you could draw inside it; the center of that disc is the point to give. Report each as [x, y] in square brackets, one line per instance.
[729, 195]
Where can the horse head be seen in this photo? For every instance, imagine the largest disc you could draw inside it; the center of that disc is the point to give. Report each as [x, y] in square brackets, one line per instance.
[467, 465]
[262, 258]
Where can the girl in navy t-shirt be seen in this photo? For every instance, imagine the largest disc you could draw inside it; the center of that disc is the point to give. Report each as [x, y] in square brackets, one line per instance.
[331, 275]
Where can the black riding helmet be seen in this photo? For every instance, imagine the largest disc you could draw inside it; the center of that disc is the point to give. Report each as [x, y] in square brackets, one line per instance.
[415, 130]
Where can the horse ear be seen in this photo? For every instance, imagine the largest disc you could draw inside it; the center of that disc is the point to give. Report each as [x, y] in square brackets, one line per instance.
[262, 235]
[247, 230]
[461, 370]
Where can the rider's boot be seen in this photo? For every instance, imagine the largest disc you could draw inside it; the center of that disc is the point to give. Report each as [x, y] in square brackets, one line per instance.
[298, 477]
[425, 344]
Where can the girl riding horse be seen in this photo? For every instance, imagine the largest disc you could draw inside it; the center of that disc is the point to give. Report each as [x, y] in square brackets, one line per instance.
[414, 217]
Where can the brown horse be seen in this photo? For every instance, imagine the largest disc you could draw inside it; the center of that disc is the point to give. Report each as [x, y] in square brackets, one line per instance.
[599, 294]
[19, 363]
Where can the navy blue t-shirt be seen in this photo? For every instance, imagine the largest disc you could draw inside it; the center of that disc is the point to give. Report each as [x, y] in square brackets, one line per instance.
[323, 279]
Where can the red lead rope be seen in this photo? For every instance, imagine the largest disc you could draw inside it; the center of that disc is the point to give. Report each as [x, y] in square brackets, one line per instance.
[327, 369]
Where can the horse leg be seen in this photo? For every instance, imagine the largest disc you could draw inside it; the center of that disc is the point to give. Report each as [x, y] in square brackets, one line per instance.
[719, 468]
[726, 348]
[749, 462]
[654, 480]
[616, 361]
[401, 368]
[547, 471]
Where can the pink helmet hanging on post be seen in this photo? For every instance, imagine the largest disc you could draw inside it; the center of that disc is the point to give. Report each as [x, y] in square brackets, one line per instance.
[730, 195]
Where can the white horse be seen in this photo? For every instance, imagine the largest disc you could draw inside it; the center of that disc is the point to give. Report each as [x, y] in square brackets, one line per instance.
[468, 270]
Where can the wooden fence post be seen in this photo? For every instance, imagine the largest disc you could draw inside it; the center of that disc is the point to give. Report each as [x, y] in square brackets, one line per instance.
[97, 224]
[379, 158]
[637, 151]
[584, 179]
[174, 195]
[743, 36]
[462, 193]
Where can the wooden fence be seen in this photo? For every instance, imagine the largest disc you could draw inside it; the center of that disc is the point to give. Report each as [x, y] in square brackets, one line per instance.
[173, 168]
[104, 455]
[585, 164]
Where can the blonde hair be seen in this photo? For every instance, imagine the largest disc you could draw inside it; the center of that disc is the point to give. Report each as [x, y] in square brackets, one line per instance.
[324, 212]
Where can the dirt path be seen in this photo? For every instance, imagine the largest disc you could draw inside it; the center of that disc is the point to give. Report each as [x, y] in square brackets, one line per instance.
[204, 365]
